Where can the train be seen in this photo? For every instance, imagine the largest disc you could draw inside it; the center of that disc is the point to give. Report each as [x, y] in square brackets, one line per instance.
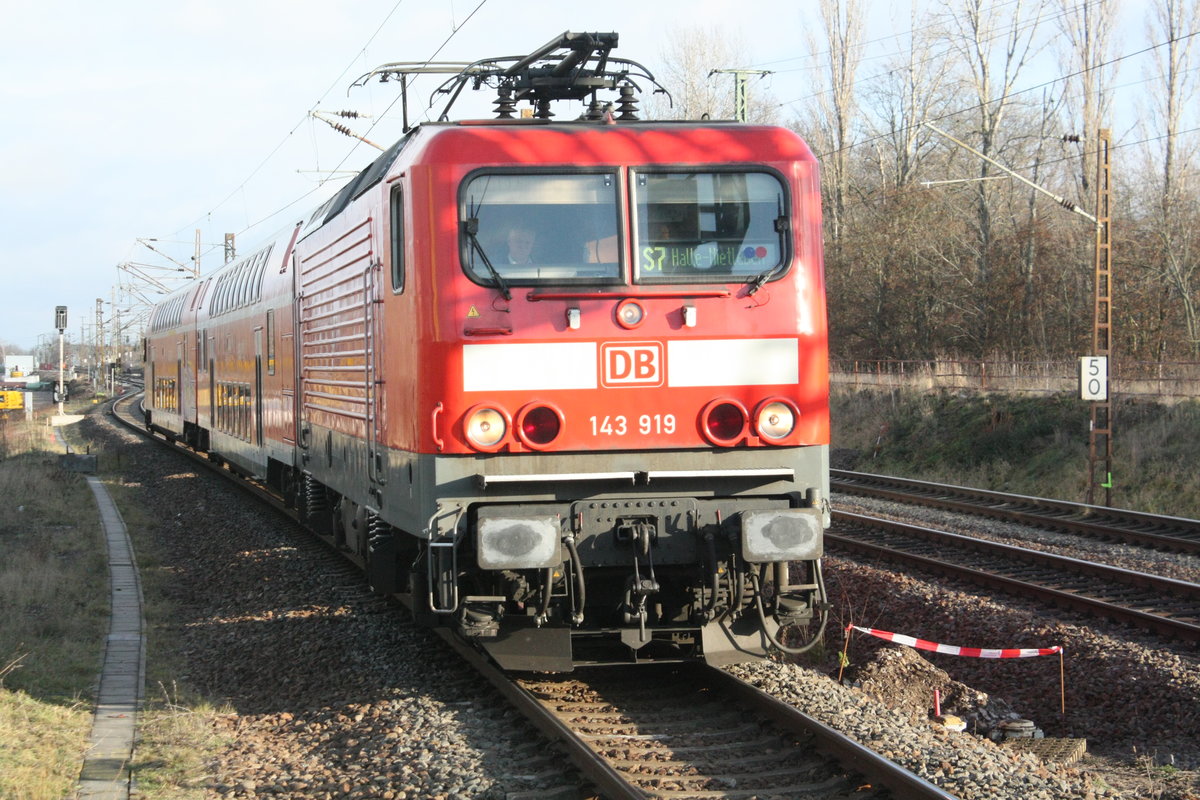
[561, 385]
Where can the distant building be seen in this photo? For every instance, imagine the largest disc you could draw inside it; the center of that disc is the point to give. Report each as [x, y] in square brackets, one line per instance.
[19, 371]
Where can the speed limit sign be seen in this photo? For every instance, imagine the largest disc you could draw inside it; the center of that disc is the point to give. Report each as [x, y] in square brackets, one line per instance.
[1093, 378]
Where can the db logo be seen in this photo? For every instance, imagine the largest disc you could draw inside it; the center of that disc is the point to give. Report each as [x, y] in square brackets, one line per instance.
[632, 364]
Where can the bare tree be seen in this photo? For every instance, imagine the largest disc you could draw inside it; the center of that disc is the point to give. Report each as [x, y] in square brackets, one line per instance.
[1031, 326]
[996, 47]
[912, 91]
[689, 58]
[1085, 53]
[836, 109]
[1178, 256]
[1174, 23]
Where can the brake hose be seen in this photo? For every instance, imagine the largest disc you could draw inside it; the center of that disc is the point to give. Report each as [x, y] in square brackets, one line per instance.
[823, 611]
[580, 586]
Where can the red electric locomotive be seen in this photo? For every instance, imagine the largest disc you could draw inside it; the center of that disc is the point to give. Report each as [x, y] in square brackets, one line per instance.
[564, 384]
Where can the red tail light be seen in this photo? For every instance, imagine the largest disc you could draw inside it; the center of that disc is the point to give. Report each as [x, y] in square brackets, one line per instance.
[539, 425]
[724, 422]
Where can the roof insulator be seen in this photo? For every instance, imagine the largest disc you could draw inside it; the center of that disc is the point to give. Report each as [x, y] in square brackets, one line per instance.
[627, 106]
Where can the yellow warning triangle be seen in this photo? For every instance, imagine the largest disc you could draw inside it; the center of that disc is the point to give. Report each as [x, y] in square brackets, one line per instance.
[474, 312]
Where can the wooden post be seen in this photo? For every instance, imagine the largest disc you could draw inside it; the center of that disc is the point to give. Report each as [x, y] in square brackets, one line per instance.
[843, 660]
[1062, 681]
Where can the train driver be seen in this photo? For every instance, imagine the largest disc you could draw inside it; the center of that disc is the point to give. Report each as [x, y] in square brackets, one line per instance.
[520, 245]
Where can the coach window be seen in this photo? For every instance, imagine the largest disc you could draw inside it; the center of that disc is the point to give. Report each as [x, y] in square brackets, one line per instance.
[260, 269]
[243, 287]
[270, 341]
[710, 227]
[397, 240]
[532, 228]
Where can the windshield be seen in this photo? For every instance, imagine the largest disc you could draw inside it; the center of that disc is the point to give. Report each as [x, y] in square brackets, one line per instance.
[708, 227]
[541, 228]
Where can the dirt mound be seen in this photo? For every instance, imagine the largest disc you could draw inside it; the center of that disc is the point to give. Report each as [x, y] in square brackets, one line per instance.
[901, 679]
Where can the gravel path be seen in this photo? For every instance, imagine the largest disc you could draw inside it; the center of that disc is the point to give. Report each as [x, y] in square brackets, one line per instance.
[335, 695]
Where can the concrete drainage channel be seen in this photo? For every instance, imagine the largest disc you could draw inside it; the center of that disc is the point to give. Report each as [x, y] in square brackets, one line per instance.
[105, 772]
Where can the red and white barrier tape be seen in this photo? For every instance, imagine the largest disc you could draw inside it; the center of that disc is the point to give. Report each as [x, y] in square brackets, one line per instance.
[955, 650]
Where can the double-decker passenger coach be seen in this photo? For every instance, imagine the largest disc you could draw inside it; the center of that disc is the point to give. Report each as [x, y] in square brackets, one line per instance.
[563, 384]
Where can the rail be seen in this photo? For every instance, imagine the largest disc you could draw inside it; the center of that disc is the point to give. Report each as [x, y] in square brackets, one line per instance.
[631, 711]
[1157, 531]
[1164, 605]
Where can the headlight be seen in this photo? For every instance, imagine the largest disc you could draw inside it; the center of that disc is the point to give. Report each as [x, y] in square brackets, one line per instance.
[630, 313]
[775, 420]
[485, 427]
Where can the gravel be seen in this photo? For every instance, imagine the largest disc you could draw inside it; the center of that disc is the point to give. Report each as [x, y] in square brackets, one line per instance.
[963, 764]
[336, 695]
[1134, 697]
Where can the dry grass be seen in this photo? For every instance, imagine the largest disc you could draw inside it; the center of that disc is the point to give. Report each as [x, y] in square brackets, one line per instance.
[1036, 446]
[54, 596]
[54, 592]
[178, 740]
[53, 578]
[41, 746]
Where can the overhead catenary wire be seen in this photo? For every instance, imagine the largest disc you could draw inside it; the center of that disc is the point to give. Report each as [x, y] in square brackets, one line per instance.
[337, 171]
[1062, 201]
[432, 56]
[898, 190]
[303, 120]
[941, 54]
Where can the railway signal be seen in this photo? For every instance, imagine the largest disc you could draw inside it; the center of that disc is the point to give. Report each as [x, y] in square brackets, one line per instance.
[60, 322]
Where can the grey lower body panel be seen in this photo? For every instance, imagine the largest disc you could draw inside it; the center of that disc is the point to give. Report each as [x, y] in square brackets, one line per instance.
[655, 539]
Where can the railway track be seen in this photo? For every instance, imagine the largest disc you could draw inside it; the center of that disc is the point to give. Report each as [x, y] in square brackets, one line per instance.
[1167, 606]
[692, 731]
[679, 731]
[1174, 534]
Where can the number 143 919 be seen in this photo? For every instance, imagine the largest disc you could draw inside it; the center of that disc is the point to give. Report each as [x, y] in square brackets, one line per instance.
[619, 425]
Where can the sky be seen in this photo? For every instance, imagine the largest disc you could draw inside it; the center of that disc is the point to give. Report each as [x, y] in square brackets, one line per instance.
[130, 120]
[130, 123]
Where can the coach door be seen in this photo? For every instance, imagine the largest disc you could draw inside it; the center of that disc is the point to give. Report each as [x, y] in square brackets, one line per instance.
[258, 385]
[187, 378]
[180, 354]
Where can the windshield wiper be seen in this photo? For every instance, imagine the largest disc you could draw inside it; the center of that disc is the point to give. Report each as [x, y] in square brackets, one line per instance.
[761, 278]
[782, 225]
[471, 227]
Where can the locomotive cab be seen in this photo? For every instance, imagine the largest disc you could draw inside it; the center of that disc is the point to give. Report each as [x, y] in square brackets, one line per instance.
[677, 463]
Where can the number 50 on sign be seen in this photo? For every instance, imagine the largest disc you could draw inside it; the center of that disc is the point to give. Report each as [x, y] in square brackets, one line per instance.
[1093, 377]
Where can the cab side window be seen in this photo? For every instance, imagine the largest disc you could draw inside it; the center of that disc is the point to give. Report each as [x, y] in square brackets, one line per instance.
[397, 240]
